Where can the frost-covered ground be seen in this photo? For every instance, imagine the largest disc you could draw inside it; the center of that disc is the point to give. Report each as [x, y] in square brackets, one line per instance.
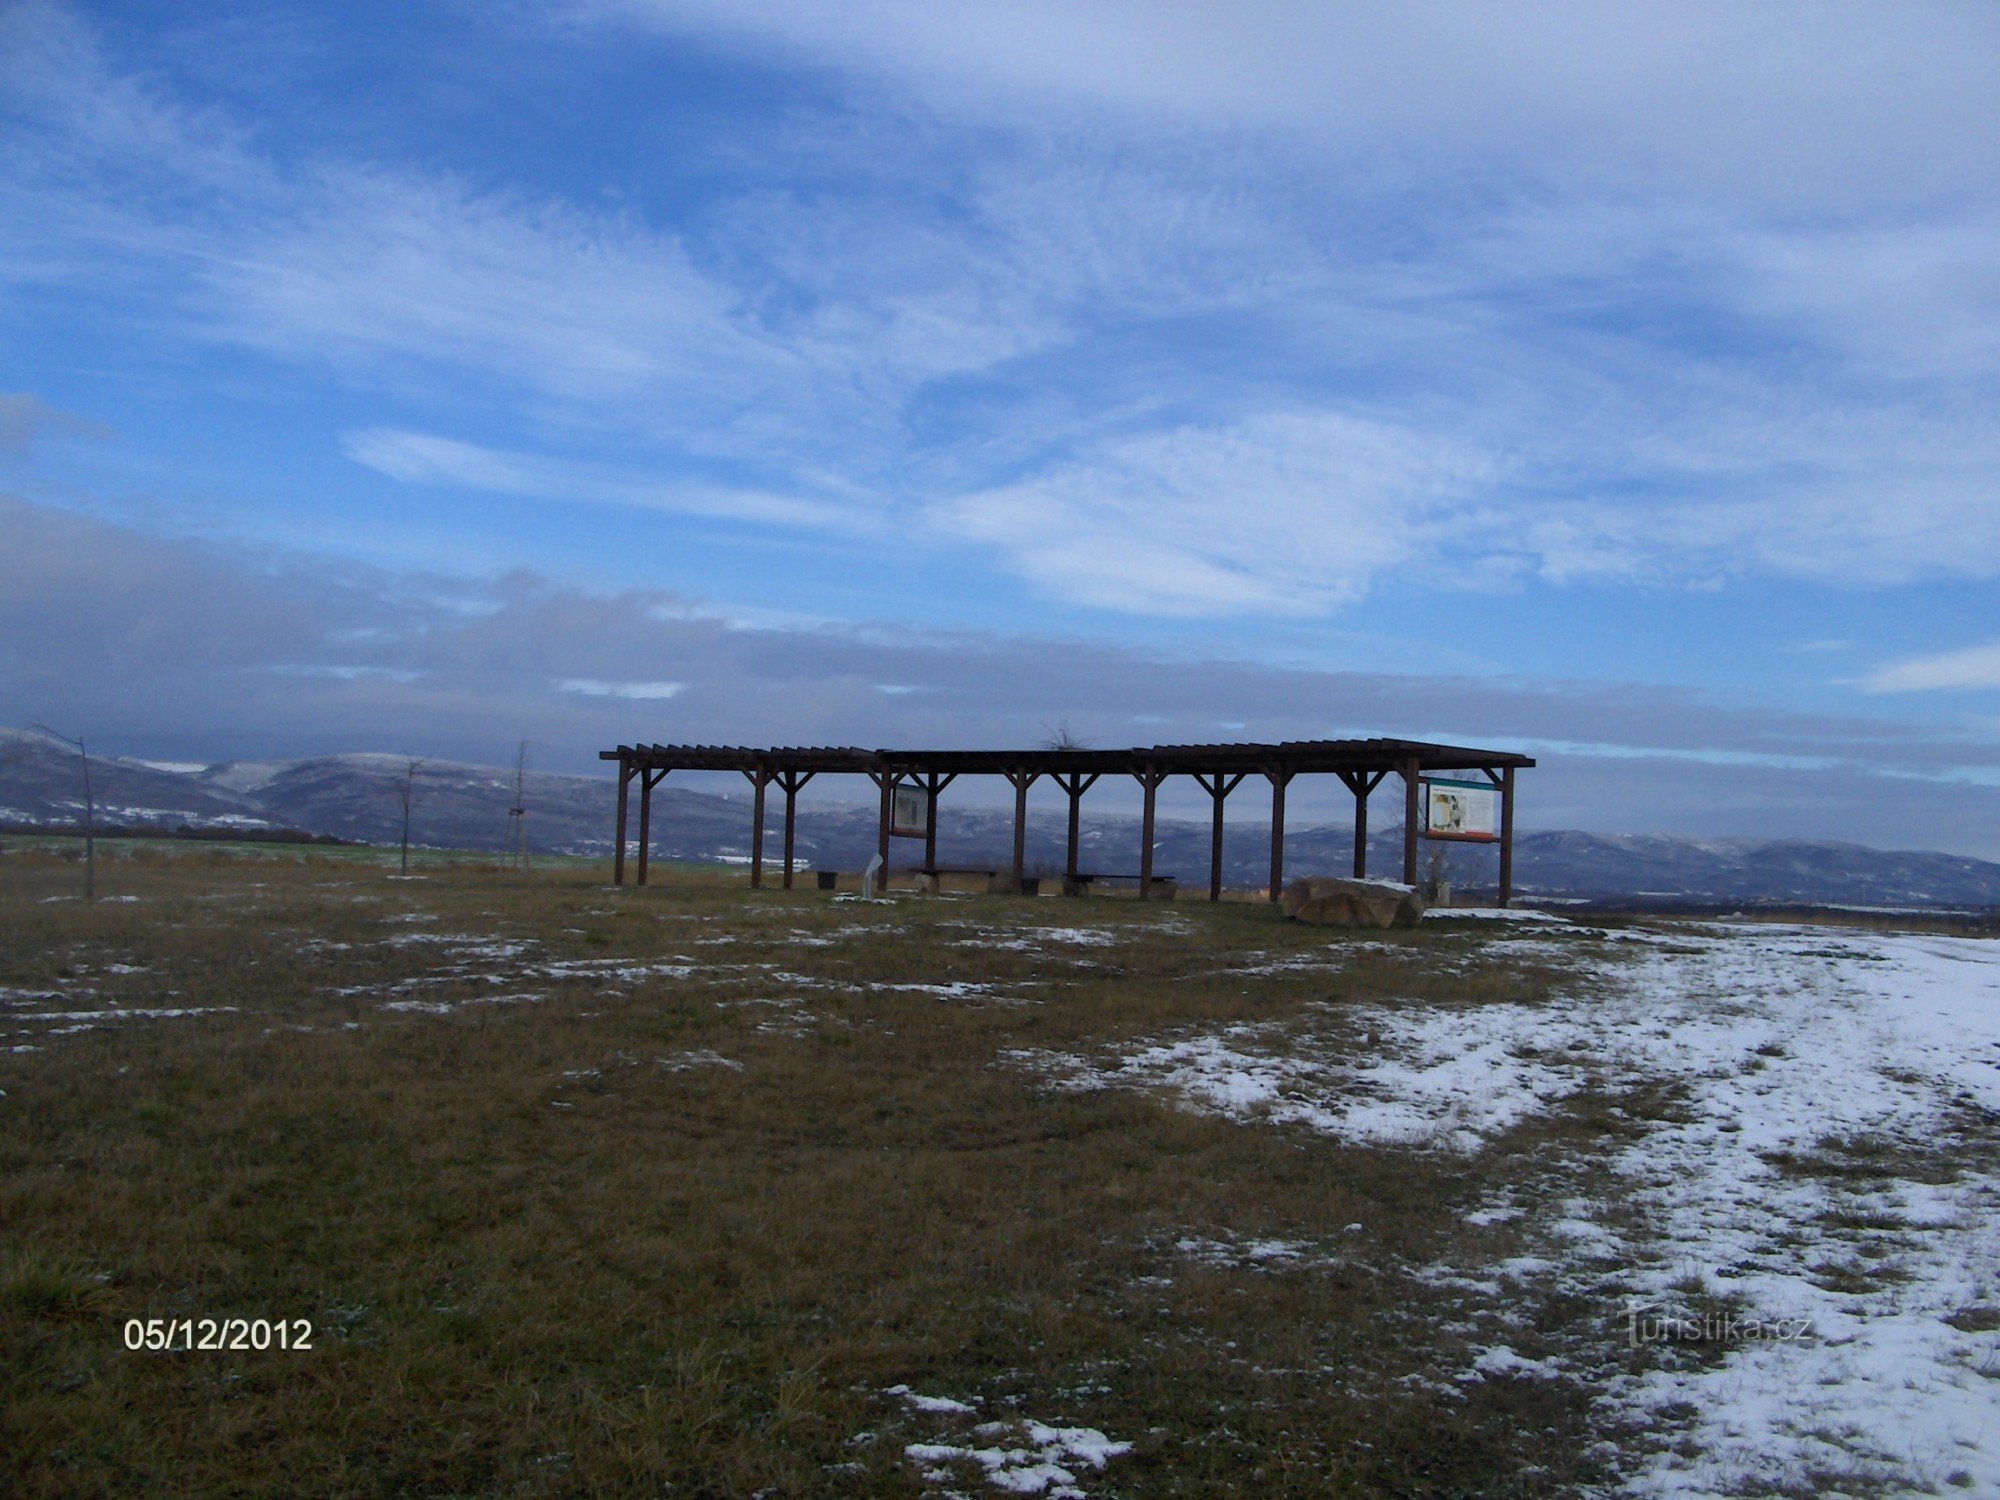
[1811, 1119]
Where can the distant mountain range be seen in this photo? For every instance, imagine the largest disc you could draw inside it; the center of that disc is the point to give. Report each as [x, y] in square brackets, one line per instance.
[465, 807]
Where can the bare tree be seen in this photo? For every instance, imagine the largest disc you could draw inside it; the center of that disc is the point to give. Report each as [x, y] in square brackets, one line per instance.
[406, 793]
[1060, 737]
[89, 814]
[1438, 886]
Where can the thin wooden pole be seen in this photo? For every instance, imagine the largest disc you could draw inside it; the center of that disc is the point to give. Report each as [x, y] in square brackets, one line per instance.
[1208, 784]
[1151, 783]
[1507, 837]
[624, 797]
[1218, 788]
[647, 781]
[930, 821]
[1075, 790]
[1278, 780]
[886, 782]
[1076, 784]
[791, 784]
[1022, 781]
[1361, 787]
[758, 780]
[1412, 812]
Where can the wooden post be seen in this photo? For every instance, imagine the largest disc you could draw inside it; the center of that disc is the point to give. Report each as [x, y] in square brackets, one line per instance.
[1075, 790]
[1022, 780]
[1278, 781]
[1020, 829]
[791, 781]
[1151, 782]
[1214, 833]
[933, 783]
[624, 796]
[1218, 787]
[1076, 784]
[647, 781]
[1412, 813]
[885, 781]
[758, 780]
[1507, 837]
[1361, 783]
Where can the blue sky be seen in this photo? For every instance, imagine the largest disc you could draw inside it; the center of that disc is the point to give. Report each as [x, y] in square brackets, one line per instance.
[1616, 382]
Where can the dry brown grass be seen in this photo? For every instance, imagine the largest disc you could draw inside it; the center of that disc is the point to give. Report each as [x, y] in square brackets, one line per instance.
[546, 1249]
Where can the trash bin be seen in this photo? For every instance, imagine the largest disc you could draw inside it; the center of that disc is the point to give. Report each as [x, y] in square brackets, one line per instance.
[828, 879]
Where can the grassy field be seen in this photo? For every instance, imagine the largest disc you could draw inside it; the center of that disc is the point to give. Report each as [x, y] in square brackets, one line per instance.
[699, 1191]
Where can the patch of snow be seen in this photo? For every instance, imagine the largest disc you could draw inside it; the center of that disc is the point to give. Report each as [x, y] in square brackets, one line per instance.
[1030, 938]
[681, 1062]
[1491, 914]
[930, 1403]
[611, 968]
[956, 989]
[92, 1017]
[1022, 1457]
[1500, 1360]
[1765, 1059]
[1442, 1078]
[1256, 1254]
[463, 944]
[445, 1007]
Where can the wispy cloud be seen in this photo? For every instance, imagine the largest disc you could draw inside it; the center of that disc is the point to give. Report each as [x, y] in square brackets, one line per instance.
[1683, 96]
[591, 687]
[1975, 667]
[1291, 513]
[425, 459]
[1201, 318]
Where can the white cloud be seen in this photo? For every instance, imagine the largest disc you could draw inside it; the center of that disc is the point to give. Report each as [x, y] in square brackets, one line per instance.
[423, 458]
[591, 687]
[368, 266]
[1974, 667]
[1212, 312]
[1287, 513]
[1760, 100]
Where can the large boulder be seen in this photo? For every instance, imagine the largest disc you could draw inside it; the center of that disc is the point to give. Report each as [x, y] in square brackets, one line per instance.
[1333, 902]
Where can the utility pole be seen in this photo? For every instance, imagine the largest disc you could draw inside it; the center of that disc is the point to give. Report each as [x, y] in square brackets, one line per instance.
[517, 815]
[89, 815]
[406, 790]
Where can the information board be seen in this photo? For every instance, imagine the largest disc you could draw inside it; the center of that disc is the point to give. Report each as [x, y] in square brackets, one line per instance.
[1468, 810]
[909, 812]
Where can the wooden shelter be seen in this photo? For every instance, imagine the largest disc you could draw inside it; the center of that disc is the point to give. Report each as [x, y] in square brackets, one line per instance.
[1361, 765]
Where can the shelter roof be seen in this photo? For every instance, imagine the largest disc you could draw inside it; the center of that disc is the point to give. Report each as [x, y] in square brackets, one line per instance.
[1288, 756]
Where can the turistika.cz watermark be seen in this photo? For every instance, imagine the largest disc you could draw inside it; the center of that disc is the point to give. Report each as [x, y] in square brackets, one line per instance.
[1650, 1325]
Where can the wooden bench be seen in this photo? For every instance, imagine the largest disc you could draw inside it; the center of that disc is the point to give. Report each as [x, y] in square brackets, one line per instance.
[1163, 886]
